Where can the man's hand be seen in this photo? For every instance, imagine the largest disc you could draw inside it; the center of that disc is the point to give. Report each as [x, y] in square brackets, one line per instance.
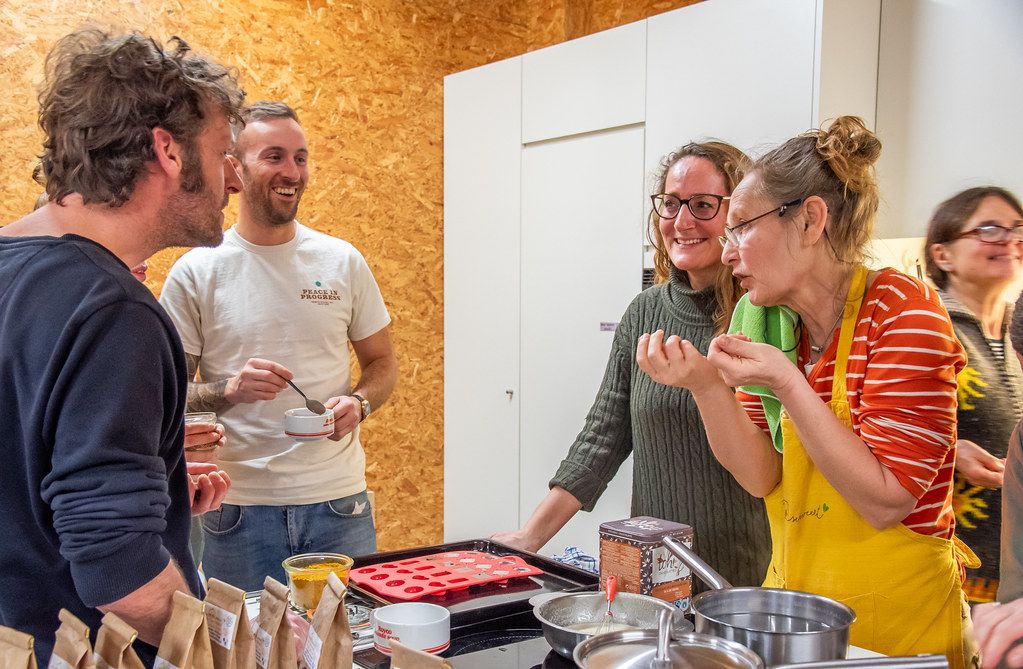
[977, 466]
[347, 414]
[207, 486]
[259, 380]
[200, 435]
[999, 628]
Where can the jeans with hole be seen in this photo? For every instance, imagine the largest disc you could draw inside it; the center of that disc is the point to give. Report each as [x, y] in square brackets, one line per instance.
[245, 544]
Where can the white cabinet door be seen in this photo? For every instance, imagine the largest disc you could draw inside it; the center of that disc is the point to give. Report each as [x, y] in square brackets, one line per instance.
[948, 104]
[587, 84]
[582, 210]
[482, 157]
[734, 70]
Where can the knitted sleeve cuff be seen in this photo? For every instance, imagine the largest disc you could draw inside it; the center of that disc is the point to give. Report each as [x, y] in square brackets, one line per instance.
[581, 482]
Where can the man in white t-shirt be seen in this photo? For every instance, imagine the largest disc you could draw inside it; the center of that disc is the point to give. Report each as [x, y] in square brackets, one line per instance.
[279, 301]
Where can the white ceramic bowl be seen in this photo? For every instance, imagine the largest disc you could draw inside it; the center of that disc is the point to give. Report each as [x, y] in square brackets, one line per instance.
[304, 425]
[425, 627]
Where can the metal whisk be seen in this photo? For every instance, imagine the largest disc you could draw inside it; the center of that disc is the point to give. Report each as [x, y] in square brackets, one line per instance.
[610, 589]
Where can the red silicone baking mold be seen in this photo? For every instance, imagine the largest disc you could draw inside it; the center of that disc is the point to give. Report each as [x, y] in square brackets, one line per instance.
[439, 573]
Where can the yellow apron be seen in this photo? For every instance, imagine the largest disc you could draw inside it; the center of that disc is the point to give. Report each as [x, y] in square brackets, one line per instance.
[905, 587]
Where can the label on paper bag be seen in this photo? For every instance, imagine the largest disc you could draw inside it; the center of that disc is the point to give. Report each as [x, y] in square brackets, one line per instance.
[221, 624]
[263, 640]
[312, 650]
[57, 662]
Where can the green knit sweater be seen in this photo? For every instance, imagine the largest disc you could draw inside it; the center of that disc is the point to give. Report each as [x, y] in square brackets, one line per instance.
[675, 474]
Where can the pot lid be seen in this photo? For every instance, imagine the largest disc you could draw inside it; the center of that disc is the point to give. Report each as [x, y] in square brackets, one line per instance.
[637, 650]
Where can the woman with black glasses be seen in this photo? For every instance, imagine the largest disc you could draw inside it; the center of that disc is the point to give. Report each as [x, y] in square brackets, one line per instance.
[844, 417]
[675, 475]
[974, 254]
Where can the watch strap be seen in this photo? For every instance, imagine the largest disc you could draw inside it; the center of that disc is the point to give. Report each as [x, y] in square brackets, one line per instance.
[364, 403]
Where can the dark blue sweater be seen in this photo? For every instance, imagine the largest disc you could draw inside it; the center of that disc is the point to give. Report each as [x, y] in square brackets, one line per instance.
[93, 495]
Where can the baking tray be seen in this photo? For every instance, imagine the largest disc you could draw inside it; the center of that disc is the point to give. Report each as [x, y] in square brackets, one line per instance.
[493, 600]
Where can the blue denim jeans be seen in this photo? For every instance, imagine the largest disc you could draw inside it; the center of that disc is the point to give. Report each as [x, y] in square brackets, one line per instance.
[245, 544]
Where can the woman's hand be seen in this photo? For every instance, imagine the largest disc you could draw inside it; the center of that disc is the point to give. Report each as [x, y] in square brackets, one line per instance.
[673, 362]
[518, 539]
[998, 627]
[742, 362]
[977, 466]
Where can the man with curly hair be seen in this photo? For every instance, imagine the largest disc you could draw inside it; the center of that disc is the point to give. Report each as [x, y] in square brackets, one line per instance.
[94, 486]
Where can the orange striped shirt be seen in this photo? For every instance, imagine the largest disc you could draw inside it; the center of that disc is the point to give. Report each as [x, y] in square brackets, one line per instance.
[901, 381]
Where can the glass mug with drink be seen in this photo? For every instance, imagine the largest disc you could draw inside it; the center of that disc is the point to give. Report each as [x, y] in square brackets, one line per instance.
[210, 418]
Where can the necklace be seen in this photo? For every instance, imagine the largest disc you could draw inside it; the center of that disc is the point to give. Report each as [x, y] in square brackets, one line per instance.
[818, 349]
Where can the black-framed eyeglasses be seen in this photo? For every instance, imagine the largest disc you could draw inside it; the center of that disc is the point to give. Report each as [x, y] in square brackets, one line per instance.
[703, 206]
[990, 232]
[735, 233]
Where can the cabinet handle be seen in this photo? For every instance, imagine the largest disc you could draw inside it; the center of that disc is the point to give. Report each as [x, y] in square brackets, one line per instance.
[509, 393]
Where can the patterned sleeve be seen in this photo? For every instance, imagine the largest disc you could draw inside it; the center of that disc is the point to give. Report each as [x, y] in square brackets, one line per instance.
[754, 409]
[907, 410]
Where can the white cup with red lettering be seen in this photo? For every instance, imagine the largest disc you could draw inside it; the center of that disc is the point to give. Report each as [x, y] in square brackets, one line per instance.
[425, 627]
[304, 425]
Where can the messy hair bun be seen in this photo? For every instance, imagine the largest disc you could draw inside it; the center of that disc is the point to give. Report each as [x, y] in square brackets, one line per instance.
[836, 164]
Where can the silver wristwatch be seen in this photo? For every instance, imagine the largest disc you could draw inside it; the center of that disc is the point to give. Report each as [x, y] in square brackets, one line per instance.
[366, 408]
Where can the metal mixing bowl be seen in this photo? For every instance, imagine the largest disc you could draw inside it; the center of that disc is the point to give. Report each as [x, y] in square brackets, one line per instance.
[558, 614]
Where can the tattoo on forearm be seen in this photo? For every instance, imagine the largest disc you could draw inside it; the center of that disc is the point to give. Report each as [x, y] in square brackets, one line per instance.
[204, 396]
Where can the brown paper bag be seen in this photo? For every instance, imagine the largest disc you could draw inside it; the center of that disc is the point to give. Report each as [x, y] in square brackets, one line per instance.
[186, 639]
[403, 657]
[228, 624]
[113, 645]
[72, 649]
[329, 644]
[16, 649]
[274, 640]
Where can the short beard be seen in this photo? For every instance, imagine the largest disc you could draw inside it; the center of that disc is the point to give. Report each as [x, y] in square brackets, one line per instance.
[185, 220]
[261, 204]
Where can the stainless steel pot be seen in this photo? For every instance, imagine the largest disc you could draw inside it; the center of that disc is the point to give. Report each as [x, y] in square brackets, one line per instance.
[907, 662]
[781, 626]
[558, 614]
[646, 649]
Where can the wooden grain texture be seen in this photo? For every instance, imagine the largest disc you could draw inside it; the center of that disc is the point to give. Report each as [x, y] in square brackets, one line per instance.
[367, 80]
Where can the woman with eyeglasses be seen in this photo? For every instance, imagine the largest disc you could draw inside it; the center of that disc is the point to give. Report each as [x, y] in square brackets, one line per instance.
[844, 415]
[974, 252]
[675, 475]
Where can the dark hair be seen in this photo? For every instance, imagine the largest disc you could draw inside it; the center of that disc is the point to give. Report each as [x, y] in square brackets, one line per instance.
[267, 109]
[836, 165]
[101, 99]
[732, 164]
[950, 217]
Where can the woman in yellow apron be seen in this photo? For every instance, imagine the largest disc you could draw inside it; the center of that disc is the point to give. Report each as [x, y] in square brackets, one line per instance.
[844, 421]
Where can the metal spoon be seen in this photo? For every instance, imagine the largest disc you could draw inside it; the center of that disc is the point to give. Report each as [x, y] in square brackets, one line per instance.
[312, 405]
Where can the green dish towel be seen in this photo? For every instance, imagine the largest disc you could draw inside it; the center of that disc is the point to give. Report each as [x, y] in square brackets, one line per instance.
[767, 325]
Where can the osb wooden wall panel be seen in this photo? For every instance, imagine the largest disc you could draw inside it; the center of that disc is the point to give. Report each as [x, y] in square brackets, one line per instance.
[366, 79]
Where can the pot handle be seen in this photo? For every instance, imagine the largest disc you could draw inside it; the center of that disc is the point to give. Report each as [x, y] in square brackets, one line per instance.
[662, 660]
[696, 563]
[907, 662]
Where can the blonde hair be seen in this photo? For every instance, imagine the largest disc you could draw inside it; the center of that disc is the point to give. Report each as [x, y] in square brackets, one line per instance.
[732, 164]
[837, 165]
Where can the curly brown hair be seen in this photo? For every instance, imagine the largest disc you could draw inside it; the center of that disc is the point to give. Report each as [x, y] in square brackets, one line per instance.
[101, 99]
